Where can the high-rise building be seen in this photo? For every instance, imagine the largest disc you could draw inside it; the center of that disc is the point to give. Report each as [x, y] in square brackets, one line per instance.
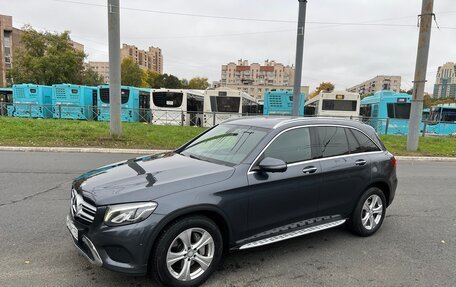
[378, 83]
[102, 68]
[256, 79]
[151, 59]
[10, 39]
[445, 81]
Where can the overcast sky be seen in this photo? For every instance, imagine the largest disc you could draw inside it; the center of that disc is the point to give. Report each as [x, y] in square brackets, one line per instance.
[197, 46]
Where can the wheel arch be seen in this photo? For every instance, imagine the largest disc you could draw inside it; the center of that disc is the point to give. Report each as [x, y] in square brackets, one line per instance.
[209, 211]
[384, 186]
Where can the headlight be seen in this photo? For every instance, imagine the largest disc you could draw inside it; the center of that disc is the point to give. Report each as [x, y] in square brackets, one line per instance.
[129, 213]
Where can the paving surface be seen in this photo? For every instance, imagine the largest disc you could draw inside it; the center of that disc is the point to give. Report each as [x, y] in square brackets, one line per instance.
[416, 245]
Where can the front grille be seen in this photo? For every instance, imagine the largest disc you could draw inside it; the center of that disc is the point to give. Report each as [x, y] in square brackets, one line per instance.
[81, 210]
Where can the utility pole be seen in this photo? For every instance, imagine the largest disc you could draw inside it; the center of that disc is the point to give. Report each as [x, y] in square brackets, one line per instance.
[420, 74]
[114, 67]
[299, 51]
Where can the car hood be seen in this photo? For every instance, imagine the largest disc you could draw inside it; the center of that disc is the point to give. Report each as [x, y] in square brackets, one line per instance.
[148, 178]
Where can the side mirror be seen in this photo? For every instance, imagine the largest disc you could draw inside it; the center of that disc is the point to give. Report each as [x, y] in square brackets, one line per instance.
[270, 164]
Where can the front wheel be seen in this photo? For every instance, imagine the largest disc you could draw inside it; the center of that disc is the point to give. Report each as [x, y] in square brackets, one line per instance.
[187, 252]
[369, 212]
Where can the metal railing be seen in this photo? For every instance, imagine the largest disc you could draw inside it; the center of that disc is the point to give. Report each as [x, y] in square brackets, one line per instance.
[387, 126]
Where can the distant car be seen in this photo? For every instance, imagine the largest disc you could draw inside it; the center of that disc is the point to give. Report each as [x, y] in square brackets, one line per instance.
[244, 183]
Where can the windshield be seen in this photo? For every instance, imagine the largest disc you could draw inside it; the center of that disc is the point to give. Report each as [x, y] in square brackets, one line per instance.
[225, 144]
[339, 105]
[167, 99]
[228, 104]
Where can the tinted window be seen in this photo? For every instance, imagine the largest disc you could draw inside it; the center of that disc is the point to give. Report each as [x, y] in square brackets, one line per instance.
[291, 146]
[359, 142]
[339, 105]
[333, 141]
[398, 111]
[104, 95]
[167, 99]
[228, 104]
[449, 115]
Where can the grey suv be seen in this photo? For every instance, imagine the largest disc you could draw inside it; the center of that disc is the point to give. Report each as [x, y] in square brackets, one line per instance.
[245, 183]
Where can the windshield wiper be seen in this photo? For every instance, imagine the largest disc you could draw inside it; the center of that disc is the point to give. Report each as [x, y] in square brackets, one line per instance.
[195, 157]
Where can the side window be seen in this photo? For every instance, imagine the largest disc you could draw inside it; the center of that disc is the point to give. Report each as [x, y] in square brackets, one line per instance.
[365, 144]
[333, 141]
[291, 146]
[353, 143]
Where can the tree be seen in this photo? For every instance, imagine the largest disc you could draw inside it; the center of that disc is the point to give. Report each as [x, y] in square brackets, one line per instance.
[170, 81]
[91, 78]
[427, 101]
[410, 92]
[131, 73]
[324, 86]
[184, 84]
[153, 79]
[47, 59]
[198, 83]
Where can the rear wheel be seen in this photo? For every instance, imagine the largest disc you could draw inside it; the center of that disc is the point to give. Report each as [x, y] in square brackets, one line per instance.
[187, 252]
[369, 212]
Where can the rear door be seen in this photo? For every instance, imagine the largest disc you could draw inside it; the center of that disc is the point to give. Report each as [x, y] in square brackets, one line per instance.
[345, 169]
[278, 199]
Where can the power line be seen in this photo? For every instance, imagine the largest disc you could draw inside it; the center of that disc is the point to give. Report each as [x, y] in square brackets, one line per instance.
[214, 35]
[255, 19]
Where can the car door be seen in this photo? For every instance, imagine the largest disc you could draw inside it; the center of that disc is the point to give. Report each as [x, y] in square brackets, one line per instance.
[278, 199]
[345, 168]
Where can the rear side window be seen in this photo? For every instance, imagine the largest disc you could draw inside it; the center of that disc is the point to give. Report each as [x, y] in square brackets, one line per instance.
[359, 142]
[333, 141]
[291, 146]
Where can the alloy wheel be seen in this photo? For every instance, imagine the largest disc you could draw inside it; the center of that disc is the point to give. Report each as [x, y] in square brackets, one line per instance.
[372, 211]
[190, 254]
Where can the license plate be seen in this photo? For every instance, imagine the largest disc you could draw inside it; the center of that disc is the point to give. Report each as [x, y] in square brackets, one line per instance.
[73, 229]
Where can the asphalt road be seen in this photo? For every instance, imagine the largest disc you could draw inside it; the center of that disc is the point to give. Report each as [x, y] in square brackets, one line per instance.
[416, 245]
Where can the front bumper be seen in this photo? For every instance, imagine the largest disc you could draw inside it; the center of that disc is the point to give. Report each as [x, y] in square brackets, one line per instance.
[123, 249]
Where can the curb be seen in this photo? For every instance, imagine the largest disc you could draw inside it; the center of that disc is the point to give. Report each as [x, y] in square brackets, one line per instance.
[154, 151]
[81, 150]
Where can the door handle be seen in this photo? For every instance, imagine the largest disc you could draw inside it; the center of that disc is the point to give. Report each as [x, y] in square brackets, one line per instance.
[360, 162]
[309, 169]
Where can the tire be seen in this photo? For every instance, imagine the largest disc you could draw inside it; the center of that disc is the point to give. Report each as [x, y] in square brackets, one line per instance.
[367, 219]
[172, 245]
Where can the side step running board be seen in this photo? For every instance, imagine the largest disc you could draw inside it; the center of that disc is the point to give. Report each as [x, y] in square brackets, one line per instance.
[292, 234]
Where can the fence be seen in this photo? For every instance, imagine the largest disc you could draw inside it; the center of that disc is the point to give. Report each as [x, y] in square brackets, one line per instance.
[208, 119]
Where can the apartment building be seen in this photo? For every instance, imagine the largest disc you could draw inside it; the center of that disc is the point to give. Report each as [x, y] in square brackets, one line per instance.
[102, 68]
[378, 83]
[255, 78]
[445, 81]
[10, 39]
[152, 59]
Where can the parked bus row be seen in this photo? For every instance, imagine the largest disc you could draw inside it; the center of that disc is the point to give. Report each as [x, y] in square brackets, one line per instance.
[387, 111]
[158, 106]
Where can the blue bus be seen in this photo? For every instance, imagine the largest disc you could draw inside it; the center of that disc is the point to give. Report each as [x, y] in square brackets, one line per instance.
[135, 104]
[6, 98]
[387, 111]
[442, 120]
[31, 101]
[281, 103]
[73, 101]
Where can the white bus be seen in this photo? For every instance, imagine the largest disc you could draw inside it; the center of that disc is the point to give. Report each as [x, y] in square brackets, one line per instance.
[333, 104]
[222, 103]
[177, 107]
